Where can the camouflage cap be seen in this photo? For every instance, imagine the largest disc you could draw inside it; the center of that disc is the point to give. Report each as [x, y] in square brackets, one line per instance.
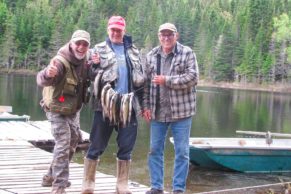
[81, 35]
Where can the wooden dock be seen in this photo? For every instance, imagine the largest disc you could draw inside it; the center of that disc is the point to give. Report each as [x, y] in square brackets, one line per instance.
[36, 132]
[22, 165]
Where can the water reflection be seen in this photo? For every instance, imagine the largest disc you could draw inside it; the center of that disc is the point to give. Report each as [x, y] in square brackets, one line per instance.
[223, 111]
[220, 112]
[22, 94]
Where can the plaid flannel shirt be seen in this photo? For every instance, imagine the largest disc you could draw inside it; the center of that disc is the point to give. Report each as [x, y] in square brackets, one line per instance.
[181, 82]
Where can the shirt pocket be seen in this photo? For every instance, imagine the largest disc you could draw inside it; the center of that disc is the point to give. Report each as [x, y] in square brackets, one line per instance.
[107, 59]
[70, 87]
[179, 69]
[110, 74]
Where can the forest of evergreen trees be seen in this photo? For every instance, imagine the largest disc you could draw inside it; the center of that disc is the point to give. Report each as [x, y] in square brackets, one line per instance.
[234, 40]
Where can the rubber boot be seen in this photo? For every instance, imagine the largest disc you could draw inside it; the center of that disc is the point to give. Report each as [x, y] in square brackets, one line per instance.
[88, 183]
[122, 177]
[47, 181]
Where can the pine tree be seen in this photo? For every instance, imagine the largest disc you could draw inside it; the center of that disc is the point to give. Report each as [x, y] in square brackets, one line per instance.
[7, 57]
[3, 19]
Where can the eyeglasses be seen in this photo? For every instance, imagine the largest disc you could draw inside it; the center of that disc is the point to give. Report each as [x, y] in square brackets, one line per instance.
[83, 43]
[169, 36]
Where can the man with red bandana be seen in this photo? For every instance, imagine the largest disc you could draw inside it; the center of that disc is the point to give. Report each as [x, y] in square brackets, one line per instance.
[119, 60]
[65, 85]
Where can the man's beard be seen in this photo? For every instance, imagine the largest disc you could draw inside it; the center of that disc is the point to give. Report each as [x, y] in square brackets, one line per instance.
[79, 56]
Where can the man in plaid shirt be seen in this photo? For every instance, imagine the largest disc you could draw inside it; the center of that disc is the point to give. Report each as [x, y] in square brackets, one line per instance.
[169, 102]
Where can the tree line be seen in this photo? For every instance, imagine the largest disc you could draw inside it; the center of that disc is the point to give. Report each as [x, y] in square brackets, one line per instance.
[234, 40]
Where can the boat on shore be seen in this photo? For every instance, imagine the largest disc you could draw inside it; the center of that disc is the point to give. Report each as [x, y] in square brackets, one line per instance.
[21, 128]
[5, 115]
[11, 117]
[250, 155]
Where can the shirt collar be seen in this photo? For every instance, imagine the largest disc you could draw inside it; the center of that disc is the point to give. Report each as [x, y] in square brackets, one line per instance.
[160, 51]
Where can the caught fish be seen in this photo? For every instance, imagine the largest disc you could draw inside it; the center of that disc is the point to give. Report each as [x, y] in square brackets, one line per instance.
[121, 108]
[125, 109]
[117, 109]
[97, 84]
[112, 108]
[103, 98]
[131, 96]
[109, 93]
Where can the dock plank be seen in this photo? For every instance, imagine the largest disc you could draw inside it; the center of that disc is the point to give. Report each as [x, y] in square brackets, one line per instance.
[28, 131]
[22, 165]
[22, 173]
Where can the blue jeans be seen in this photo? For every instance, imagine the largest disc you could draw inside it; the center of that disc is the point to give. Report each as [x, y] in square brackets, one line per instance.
[100, 135]
[181, 133]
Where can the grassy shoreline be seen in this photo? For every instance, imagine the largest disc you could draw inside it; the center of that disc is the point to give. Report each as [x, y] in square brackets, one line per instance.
[278, 88]
[18, 71]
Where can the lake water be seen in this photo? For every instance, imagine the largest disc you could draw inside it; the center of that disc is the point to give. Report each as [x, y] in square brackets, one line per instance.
[220, 112]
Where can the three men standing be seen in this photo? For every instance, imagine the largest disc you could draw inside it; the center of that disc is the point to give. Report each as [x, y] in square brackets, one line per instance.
[169, 101]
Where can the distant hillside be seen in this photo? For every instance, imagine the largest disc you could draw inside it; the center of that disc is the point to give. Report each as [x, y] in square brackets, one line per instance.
[234, 40]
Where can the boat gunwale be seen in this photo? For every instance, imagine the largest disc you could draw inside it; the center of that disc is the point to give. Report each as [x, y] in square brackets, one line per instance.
[207, 145]
[240, 147]
[204, 145]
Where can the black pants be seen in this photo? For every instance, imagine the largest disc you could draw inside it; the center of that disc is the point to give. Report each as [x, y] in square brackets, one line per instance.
[101, 132]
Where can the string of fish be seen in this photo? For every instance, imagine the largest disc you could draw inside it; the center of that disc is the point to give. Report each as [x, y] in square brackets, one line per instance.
[117, 107]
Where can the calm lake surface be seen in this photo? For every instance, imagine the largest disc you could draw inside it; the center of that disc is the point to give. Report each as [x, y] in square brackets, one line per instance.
[220, 112]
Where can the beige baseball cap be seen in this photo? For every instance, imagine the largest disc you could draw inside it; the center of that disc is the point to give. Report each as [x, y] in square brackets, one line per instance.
[168, 26]
[81, 35]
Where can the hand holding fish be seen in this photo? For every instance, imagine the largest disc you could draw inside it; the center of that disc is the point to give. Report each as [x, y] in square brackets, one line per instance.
[52, 69]
[146, 115]
[159, 79]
